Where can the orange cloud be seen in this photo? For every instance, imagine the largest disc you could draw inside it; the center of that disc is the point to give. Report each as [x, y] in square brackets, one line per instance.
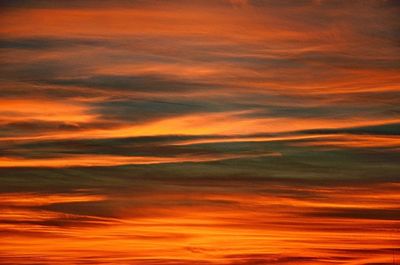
[13, 110]
[268, 228]
[109, 160]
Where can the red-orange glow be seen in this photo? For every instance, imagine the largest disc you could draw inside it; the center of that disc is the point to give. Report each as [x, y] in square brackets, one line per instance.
[27, 109]
[359, 141]
[29, 199]
[235, 123]
[213, 234]
[104, 160]
[201, 132]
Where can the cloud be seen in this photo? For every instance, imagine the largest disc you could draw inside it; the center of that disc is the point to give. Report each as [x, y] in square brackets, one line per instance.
[383, 129]
[353, 213]
[48, 43]
[132, 83]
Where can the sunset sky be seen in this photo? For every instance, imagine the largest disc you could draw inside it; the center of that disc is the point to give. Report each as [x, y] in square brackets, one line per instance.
[204, 132]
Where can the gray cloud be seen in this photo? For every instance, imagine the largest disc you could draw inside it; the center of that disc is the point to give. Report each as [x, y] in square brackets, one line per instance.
[43, 43]
[357, 213]
[384, 129]
[143, 83]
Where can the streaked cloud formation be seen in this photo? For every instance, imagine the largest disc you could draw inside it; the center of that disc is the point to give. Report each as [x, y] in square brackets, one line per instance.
[199, 132]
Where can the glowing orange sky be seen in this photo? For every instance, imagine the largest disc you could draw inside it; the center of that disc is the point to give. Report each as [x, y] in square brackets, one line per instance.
[207, 132]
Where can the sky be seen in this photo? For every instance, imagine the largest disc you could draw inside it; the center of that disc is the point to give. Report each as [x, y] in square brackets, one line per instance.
[204, 132]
